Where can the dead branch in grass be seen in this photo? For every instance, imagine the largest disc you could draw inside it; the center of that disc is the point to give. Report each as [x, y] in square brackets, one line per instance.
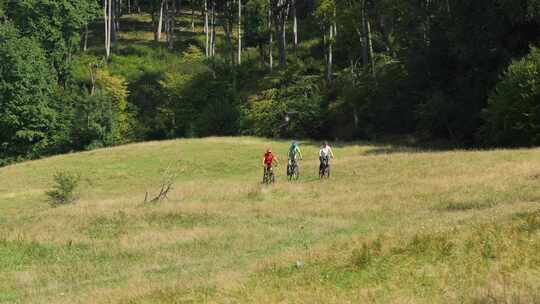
[167, 183]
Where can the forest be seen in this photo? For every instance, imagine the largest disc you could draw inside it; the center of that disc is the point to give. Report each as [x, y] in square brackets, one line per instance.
[83, 74]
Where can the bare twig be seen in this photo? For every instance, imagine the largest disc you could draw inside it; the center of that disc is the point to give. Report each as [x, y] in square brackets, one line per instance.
[167, 182]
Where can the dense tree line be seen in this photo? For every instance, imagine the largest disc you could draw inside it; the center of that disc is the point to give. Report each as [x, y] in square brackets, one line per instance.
[453, 70]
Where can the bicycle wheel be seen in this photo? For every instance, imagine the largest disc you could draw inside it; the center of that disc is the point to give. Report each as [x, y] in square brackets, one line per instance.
[289, 172]
[327, 171]
[265, 177]
[296, 173]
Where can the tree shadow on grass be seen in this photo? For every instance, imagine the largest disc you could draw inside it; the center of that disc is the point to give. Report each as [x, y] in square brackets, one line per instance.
[404, 144]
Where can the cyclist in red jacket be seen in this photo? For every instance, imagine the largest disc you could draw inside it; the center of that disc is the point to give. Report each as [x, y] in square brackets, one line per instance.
[269, 158]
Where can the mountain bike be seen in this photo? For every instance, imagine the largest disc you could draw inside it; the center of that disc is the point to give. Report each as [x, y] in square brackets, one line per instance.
[293, 171]
[268, 177]
[324, 168]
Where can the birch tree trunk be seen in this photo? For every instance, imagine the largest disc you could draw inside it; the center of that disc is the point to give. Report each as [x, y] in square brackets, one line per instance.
[370, 46]
[106, 23]
[160, 22]
[295, 25]
[206, 28]
[84, 38]
[107, 8]
[271, 41]
[213, 30]
[330, 53]
[239, 32]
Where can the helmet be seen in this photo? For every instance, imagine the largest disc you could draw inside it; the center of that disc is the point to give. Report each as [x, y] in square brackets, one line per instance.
[294, 143]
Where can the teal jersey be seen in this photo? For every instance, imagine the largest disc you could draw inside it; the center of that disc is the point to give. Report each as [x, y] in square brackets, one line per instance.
[293, 152]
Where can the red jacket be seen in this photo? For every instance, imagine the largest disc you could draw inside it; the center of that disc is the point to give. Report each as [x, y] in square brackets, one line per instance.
[268, 158]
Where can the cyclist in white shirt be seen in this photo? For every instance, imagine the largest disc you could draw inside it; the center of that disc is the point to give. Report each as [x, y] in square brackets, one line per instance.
[325, 153]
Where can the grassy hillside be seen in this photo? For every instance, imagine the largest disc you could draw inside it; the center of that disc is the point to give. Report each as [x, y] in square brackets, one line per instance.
[393, 225]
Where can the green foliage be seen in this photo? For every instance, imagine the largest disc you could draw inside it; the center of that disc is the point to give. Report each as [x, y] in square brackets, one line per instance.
[98, 121]
[196, 101]
[367, 106]
[256, 23]
[292, 109]
[2, 9]
[512, 117]
[64, 188]
[398, 67]
[55, 24]
[326, 11]
[26, 87]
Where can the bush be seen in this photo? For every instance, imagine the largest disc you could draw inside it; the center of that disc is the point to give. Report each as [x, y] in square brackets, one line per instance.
[64, 188]
[512, 117]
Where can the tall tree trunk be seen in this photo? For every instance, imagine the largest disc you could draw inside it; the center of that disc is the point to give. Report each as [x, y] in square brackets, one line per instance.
[167, 22]
[105, 23]
[170, 23]
[280, 18]
[271, 41]
[330, 53]
[129, 6]
[113, 20]
[385, 35]
[85, 42]
[193, 15]
[370, 46]
[111, 32]
[160, 21]
[107, 7]
[295, 25]
[118, 15]
[213, 30]
[206, 28]
[239, 32]
[228, 28]
[364, 42]
[280, 28]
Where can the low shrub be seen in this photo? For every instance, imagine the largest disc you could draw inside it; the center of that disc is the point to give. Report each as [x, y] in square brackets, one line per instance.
[64, 190]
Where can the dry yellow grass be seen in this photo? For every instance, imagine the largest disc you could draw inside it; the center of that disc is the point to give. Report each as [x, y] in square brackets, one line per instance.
[393, 225]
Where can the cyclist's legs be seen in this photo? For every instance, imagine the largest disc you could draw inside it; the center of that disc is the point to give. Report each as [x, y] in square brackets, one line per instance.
[265, 171]
[325, 162]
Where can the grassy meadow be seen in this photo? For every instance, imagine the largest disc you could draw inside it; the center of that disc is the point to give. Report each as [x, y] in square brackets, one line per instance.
[393, 225]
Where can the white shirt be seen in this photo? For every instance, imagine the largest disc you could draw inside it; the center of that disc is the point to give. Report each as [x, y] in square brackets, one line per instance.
[325, 152]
